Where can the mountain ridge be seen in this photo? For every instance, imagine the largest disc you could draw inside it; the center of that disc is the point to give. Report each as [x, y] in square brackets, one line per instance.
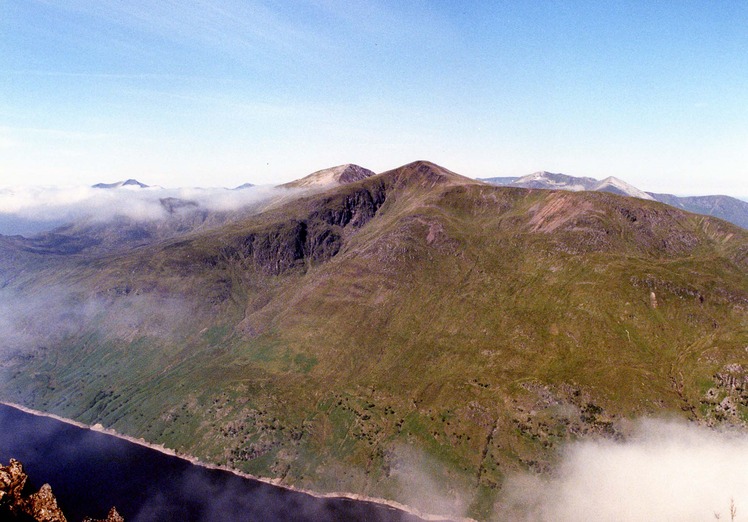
[728, 208]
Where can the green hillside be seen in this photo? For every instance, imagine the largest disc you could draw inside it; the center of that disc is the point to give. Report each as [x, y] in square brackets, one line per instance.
[414, 326]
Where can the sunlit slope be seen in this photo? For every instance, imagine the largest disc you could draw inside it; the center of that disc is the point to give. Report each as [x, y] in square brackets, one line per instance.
[325, 341]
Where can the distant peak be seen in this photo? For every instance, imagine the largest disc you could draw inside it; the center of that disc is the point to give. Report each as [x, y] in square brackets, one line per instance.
[340, 175]
[539, 174]
[618, 186]
[128, 183]
[554, 181]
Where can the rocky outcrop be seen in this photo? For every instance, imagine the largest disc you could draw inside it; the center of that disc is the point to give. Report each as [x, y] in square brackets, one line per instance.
[315, 238]
[16, 504]
[727, 399]
[12, 482]
[42, 506]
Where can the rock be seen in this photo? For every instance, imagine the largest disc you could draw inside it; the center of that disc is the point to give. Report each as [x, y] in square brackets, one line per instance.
[12, 482]
[113, 516]
[42, 506]
[39, 507]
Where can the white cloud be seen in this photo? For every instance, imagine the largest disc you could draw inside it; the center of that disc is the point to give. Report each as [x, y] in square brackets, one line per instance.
[665, 471]
[57, 205]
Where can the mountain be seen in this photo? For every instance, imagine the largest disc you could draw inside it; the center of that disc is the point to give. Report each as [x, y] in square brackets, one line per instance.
[326, 178]
[724, 207]
[407, 328]
[617, 186]
[505, 180]
[130, 183]
[554, 181]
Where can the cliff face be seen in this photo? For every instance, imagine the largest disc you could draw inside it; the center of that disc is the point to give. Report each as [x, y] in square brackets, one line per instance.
[313, 238]
[17, 505]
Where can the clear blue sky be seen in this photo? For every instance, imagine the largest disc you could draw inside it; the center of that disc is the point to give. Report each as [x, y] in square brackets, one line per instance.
[225, 92]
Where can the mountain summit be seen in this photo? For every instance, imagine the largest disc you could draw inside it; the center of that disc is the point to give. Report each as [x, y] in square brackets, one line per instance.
[552, 180]
[325, 178]
[130, 183]
[425, 174]
[620, 187]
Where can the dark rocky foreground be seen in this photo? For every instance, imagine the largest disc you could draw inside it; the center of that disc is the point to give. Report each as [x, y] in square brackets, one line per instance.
[16, 503]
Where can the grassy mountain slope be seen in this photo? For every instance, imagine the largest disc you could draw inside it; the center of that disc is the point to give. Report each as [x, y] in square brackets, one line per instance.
[411, 327]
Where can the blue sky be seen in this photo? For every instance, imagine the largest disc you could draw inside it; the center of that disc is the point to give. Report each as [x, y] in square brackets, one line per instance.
[218, 93]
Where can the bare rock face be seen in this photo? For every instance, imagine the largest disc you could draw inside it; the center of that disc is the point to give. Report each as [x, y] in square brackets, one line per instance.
[12, 482]
[41, 506]
[14, 505]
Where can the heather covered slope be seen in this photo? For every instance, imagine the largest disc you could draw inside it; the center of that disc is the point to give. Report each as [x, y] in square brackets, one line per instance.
[410, 327]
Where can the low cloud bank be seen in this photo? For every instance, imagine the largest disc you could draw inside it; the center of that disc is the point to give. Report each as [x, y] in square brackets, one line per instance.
[42, 321]
[28, 210]
[666, 471]
[424, 484]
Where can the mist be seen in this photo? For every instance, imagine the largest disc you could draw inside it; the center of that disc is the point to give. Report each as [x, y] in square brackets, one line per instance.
[667, 470]
[29, 323]
[424, 485]
[28, 210]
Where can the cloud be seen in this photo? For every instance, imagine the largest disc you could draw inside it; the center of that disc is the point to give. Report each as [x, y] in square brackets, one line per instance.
[28, 209]
[68, 312]
[666, 471]
[237, 29]
[424, 484]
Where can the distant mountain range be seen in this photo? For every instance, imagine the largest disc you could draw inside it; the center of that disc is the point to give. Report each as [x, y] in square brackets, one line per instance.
[724, 207]
[134, 183]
